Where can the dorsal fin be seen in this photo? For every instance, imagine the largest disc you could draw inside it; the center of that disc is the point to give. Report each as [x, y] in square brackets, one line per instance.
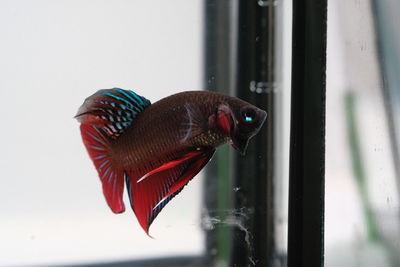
[111, 110]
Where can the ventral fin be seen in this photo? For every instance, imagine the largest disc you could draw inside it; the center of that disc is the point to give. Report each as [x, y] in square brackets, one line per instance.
[111, 110]
[149, 195]
[111, 178]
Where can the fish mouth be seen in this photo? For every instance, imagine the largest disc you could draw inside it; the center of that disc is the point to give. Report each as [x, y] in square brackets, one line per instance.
[263, 116]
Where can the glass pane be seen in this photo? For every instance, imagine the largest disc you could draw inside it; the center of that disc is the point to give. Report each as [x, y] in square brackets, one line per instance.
[54, 54]
[248, 46]
[362, 197]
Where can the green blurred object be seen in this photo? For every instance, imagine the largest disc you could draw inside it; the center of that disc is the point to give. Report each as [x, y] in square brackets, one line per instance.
[224, 233]
[358, 165]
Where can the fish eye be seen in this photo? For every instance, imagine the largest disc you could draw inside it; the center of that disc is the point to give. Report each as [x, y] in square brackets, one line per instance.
[248, 115]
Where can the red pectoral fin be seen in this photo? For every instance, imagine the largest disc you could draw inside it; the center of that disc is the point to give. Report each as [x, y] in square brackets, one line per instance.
[149, 196]
[224, 122]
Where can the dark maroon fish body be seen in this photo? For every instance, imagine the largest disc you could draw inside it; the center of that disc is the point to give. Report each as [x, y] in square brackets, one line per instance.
[158, 148]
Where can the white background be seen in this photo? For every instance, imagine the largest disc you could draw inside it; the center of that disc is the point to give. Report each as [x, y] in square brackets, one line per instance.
[53, 54]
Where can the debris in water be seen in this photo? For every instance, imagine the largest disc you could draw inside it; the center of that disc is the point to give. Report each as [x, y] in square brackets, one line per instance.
[233, 218]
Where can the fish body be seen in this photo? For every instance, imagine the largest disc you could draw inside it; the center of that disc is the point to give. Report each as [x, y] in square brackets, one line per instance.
[158, 148]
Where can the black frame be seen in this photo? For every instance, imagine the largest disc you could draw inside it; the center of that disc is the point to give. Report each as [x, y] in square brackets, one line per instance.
[255, 173]
[307, 141]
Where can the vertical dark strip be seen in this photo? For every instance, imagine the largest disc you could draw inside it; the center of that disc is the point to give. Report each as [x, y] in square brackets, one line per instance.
[254, 241]
[218, 72]
[307, 144]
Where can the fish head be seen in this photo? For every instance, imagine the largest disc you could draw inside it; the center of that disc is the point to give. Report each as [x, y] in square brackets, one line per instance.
[241, 121]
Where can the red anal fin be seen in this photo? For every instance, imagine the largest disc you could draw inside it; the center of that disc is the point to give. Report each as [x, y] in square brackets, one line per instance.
[112, 179]
[194, 168]
[149, 196]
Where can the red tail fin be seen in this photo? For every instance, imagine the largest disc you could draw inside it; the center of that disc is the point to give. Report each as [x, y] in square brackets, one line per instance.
[112, 179]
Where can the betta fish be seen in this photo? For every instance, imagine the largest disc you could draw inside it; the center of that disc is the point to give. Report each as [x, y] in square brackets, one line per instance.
[156, 149]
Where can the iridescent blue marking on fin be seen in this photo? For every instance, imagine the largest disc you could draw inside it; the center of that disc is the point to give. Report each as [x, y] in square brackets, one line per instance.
[112, 110]
[97, 148]
[139, 98]
[104, 163]
[128, 96]
[106, 172]
[95, 138]
[100, 157]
